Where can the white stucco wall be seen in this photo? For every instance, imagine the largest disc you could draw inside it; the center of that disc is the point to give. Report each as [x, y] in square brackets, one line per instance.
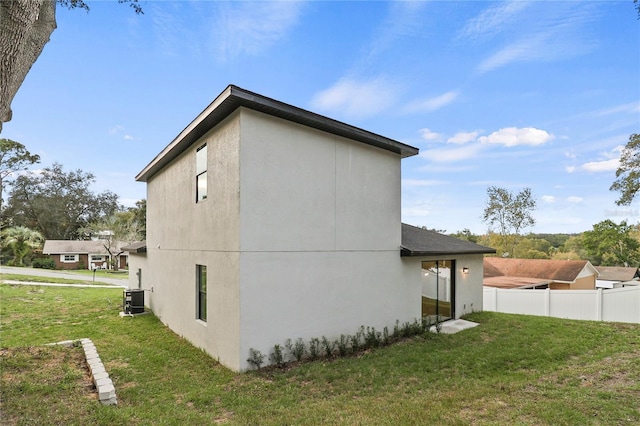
[300, 234]
[182, 233]
[320, 236]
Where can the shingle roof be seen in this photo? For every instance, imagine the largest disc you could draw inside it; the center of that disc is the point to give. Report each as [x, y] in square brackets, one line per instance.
[543, 269]
[617, 273]
[419, 242]
[74, 247]
[137, 247]
[514, 282]
[234, 97]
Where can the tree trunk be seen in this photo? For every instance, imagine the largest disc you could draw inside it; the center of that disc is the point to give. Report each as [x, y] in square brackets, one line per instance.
[25, 27]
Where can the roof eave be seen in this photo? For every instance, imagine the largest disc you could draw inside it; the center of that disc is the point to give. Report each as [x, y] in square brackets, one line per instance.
[405, 252]
[234, 97]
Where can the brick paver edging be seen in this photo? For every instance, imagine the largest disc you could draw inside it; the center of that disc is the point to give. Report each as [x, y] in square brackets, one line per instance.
[104, 385]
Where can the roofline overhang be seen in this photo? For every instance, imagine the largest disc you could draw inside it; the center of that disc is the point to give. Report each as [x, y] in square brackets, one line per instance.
[405, 252]
[234, 97]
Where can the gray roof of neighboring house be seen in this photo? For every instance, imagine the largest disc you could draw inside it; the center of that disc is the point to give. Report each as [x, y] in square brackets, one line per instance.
[420, 242]
[234, 97]
[543, 269]
[137, 247]
[74, 247]
[617, 273]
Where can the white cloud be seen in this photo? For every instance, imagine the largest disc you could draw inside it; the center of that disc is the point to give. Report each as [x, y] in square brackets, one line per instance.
[513, 136]
[403, 19]
[447, 155]
[113, 130]
[128, 137]
[464, 137]
[434, 103]
[548, 199]
[570, 169]
[492, 20]
[251, 27]
[523, 50]
[429, 135]
[630, 108]
[574, 199]
[555, 32]
[356, 98]
[601, 166]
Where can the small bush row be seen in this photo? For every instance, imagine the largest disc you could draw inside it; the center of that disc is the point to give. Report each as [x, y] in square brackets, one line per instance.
[345, 345]
[44, 263]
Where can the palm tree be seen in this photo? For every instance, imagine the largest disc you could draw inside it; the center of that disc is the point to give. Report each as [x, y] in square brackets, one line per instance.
[21, 240]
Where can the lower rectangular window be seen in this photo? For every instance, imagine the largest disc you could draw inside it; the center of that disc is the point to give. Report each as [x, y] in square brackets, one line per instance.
[201, 292]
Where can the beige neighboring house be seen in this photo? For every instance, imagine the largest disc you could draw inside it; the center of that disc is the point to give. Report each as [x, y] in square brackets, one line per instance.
[539, 273]
[267, 222]
[617, 276]
[76, 254]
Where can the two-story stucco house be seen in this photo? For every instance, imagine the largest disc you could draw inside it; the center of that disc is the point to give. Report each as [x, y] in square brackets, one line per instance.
[267, 222]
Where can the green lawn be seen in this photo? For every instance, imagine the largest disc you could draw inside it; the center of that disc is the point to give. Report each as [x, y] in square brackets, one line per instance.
[509, 370]
[37, 279]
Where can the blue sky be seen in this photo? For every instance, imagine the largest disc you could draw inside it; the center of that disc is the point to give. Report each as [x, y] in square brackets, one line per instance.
[513, 94]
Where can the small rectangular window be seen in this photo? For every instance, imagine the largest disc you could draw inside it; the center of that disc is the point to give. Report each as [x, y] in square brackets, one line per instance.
[69, 258]
[201, 173]
[201, 289]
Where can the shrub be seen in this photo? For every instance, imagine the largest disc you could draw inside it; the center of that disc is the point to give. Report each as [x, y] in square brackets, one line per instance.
[314, 348]
[299, 349]
[372, 338]
[44, 263]
[355, 340]
[255, 358]
[277, 356]
[385, 336]
[342, 345]
[328, 346]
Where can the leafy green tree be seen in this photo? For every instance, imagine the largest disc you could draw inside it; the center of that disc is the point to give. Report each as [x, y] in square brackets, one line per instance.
[533, 248]
[21, 240]
[466, 235]
[611, 244]
[14, 157]
[628, 173]
[140, 217]
[58, 203]
[115, 231]
[509, 213]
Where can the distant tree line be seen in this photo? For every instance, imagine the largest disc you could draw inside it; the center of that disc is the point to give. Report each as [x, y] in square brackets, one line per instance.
[56, 204]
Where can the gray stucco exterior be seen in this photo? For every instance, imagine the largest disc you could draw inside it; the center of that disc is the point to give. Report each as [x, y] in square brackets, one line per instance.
[300, 231]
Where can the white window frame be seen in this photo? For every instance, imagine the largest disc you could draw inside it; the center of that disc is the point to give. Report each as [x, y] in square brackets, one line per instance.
[64, 258]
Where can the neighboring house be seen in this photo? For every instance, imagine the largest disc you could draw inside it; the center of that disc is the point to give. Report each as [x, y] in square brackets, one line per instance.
[539, 273]
[617, 276]
[75, 254]
[266, 222]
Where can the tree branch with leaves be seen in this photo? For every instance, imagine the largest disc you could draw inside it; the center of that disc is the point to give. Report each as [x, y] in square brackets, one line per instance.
[628, 173]
[509, 213]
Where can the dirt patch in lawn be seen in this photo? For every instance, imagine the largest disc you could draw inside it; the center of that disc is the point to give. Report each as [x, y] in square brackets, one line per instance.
[51, 382]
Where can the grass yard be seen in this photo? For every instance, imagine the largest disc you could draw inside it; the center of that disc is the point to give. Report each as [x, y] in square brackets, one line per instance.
[509, 370]
[34, 278]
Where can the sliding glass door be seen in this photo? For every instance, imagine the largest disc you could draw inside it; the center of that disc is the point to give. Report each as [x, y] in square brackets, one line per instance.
[438, 289]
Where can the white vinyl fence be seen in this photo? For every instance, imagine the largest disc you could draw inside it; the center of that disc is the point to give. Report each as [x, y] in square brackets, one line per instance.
[618, 304]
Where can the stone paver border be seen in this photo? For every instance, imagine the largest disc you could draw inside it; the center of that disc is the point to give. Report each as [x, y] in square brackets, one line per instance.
[104, 385]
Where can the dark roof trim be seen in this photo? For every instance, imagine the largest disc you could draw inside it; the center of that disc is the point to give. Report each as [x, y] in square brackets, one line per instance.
[422, 242]
[234, 97]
